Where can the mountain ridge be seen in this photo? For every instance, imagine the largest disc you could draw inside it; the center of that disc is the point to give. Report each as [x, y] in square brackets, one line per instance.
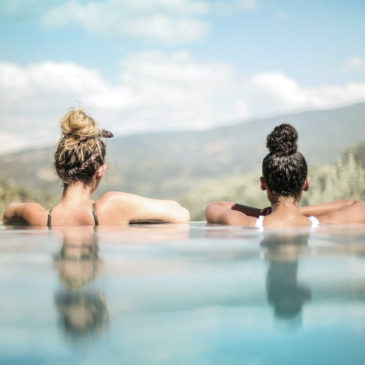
[167, 164]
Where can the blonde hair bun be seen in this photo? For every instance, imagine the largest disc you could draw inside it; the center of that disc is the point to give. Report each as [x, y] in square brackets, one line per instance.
[76, 124]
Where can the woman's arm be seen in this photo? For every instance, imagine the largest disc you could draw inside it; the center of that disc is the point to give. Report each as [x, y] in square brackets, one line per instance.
[117, 208]
[231, 213]
[250, 211]
[157, 210]
[325, 208]
[343, 211]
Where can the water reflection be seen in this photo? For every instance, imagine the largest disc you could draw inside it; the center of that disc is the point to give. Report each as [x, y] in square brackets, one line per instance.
[284, 292]
[81, 306]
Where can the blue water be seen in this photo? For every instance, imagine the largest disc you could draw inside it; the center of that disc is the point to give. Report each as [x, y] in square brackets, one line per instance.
[170, 294]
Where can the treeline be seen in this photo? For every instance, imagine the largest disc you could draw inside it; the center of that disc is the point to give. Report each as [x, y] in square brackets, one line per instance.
[344, 179]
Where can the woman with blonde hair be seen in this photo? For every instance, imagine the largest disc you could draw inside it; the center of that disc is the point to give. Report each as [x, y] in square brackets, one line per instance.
[80, 163]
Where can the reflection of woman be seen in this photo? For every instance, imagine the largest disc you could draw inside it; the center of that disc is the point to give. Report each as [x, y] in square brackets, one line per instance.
[284, 293]
[82, 310]
[80, 163]
[77, 260]
[284, 179]
[82, 313]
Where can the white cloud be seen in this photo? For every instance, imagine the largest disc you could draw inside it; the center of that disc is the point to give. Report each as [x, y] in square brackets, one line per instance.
[154, 91]
[274, 92]
[354, 65]
[33, 98]
[168, 91]
[167, 21]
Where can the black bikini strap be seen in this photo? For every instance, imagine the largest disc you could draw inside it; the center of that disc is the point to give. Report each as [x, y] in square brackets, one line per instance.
[49, 218]
[96, 220]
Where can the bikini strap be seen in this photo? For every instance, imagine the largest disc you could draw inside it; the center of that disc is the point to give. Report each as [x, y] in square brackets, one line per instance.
[96, 220]
[49, 218]
[314, 221]
[260, 222]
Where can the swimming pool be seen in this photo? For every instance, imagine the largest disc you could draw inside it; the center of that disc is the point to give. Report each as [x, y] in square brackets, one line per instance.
[180, 294]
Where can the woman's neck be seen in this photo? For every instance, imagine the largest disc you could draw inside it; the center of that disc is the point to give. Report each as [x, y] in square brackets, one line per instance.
[287, 203]
[77, 192]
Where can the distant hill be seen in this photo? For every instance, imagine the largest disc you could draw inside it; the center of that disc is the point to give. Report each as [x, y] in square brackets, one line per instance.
[169, 164]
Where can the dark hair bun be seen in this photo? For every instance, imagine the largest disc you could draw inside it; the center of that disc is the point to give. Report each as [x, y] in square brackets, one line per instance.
[282, 140]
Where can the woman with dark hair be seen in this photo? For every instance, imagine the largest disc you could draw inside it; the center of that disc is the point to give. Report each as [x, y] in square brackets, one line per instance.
[80, 163]
[285, 178]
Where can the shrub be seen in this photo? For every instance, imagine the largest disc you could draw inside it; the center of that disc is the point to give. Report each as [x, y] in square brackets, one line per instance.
[343, 180]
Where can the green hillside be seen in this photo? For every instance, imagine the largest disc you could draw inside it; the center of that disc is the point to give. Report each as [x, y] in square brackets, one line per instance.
[171, 164]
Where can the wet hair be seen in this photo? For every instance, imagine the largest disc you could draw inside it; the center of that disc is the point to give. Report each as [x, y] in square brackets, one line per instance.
[284, 168]
[80, 151]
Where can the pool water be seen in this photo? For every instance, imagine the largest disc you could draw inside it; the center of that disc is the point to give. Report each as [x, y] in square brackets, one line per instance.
[180, 294]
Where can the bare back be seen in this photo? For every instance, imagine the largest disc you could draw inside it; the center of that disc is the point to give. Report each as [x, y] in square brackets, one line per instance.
[111, 209]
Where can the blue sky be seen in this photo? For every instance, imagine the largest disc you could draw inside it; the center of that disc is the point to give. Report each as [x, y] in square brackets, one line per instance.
[151, 65]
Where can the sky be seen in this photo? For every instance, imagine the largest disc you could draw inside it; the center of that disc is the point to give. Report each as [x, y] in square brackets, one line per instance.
[143, 66]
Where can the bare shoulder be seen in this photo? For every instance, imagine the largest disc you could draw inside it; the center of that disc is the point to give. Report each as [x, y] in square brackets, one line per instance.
[115, 197]
[118, 208]
[34, 208]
